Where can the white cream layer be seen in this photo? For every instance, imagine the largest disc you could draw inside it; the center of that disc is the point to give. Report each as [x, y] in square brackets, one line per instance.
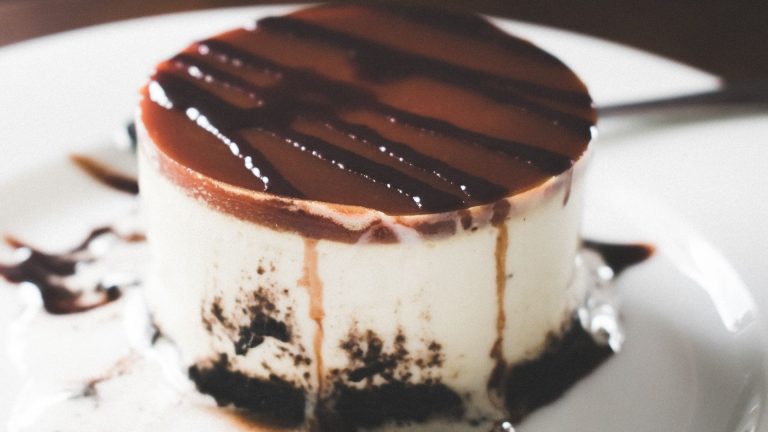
[430, 290]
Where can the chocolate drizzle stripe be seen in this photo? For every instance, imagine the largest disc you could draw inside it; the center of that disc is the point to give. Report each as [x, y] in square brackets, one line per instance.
[463, 182]
[422, 193]
[349, 96]
[542, 159]
[221, 120]
[470, 185]
[226, 120]
[379, 62]
[466, 25]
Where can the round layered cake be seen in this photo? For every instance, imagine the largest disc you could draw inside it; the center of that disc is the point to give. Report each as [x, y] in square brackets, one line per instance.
[366, 217]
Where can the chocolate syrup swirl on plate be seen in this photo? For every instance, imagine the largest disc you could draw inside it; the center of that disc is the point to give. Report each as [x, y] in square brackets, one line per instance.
[370, 106]
[106, 175]
[48, 272]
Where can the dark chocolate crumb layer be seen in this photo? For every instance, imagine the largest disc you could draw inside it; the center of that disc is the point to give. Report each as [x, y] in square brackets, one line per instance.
[567, 359]
[396, 402]
[273, 400]
[377, 388]
[349, 407]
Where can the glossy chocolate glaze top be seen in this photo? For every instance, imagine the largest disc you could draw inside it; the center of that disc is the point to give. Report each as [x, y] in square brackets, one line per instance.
[402, 110]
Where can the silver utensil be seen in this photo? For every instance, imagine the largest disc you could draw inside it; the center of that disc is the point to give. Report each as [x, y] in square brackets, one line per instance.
[752, 93]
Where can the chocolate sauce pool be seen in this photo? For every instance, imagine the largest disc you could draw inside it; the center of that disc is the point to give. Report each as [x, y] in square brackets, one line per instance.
[370, 106]
[619, 257]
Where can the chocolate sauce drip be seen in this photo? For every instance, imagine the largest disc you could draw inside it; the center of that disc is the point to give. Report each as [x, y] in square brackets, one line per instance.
[566, 360]
[497, 351]
[105, 175]
[273, 400]
[47, 272]
[314, 286]
[382, 148]
[620, 256]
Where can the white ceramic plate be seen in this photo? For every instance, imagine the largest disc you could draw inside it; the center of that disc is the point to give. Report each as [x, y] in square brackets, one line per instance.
[695, 355]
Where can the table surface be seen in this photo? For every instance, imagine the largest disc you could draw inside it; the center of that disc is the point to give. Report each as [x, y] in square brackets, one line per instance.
[724, 37]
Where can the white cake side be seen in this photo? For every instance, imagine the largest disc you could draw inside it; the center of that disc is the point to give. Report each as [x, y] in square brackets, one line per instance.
[432, 303]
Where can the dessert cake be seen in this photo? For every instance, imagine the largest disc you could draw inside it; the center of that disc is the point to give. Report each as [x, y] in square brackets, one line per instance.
[367, 217]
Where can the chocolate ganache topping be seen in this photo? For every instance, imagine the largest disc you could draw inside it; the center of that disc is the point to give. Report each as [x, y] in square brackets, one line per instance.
[398, 109]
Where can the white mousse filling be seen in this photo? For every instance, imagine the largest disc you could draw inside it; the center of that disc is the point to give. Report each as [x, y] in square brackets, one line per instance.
[435, 297]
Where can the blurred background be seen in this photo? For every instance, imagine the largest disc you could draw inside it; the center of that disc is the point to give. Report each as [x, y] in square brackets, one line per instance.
[725, 37]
